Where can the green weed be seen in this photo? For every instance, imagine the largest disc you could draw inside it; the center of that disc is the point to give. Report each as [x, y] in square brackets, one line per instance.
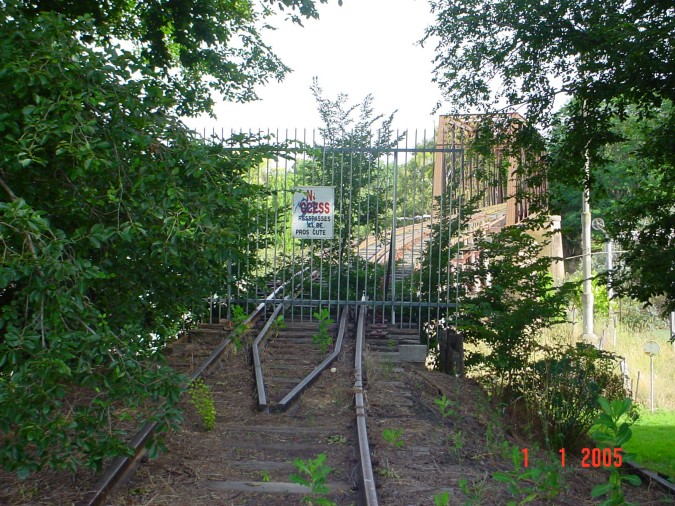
[473, 494]
[201, 398]
[393, 437]
[445, 406]
[239, 316]
[543, 481]
[442, 499]
[323, 339]
[613, 433]
[314, 474]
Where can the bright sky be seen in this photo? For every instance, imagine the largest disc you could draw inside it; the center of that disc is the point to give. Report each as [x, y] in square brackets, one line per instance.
[365, 46]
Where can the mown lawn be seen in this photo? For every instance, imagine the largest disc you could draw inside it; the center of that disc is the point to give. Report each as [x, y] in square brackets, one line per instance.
[653, 441]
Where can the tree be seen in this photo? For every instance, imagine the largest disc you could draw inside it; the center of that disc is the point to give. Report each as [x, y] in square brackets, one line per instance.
[195, 46]
[633, 193]
[115, 222]
[349, 159]
[515, 300]
[609, 58]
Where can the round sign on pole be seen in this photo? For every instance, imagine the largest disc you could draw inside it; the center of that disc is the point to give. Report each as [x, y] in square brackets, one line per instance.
[652, 348]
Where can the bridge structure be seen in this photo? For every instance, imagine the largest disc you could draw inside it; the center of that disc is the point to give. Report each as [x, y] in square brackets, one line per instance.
[344, 220]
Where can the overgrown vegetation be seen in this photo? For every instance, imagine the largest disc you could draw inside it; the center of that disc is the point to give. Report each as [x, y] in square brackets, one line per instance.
[540, 481]
[560, 389]
[115, 219]
[323, 339]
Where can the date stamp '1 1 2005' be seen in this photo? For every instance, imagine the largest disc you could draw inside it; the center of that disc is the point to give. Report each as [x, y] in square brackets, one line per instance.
[590, 457]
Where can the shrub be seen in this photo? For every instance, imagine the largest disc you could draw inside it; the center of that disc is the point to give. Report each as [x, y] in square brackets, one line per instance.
[561, 391]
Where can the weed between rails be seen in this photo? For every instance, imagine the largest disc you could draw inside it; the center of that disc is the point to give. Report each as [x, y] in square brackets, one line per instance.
[323, 339]
[201, 398]
[313, 473]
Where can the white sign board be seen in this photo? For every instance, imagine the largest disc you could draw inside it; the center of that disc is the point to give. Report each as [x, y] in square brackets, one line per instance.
[313, 212]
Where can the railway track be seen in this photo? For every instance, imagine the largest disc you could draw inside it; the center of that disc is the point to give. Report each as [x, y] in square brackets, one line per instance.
[286, 403]
[269, 423]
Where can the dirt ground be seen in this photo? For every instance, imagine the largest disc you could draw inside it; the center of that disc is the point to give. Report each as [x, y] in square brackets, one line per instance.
[421, 457]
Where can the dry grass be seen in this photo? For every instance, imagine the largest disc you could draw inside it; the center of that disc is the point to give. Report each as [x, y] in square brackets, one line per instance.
[629, 344]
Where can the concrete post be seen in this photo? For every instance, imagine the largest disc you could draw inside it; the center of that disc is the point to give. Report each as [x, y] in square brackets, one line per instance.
[557, 264]
[587, 296]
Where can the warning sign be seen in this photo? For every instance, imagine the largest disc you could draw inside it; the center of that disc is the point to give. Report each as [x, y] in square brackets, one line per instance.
[313, 212]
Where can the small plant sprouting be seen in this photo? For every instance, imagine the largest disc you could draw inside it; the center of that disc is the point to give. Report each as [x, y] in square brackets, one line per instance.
[336, 439]
[613, 434]
[393, 437]
[445, 406]
[473, 494]
[279, 324]
[543, 481]
[265, 476]
[323, 338]
[313, 474]
[457, 439]
[238, 318]
[442, 499]
[201, 398]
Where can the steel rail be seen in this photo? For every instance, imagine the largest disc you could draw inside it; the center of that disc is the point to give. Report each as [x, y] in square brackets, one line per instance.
[368, 490]
[653, 476]
[306, 382]
[294, 394]
[257, 364]
[122, 468]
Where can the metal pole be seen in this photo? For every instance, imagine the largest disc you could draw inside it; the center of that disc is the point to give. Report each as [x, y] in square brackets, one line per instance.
[651, 386]
[392, 249]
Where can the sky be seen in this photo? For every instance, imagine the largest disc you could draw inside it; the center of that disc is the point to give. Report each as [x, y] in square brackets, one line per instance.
[365, 46]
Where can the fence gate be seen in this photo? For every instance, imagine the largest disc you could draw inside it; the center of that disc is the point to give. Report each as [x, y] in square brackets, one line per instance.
[343, 221]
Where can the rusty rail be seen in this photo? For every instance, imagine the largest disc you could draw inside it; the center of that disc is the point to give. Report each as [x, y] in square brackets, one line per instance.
[122, 468]
[367, 491]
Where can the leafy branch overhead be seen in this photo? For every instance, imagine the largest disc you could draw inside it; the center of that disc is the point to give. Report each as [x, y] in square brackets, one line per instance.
[196, 46]
[612, 61]
[115, 219]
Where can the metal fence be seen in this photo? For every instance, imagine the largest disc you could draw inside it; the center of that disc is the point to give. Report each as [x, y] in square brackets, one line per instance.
[383, 214]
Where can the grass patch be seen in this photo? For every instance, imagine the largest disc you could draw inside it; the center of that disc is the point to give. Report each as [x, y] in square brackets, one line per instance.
[653, 441]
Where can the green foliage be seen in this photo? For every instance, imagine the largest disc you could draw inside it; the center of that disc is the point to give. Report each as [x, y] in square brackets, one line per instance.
[415, 182]
[198, 47]
[609, 57]
[473, 494]
[314, 474]
[442, 499]
[600, 299]
[105, 198]
[445, 406]
[613, 432]
[632, 189]
[560, 390]
[323, 339]
[393, 437]
[201, 398]
[634, 317]
[542, 481]
[517, 299]
[359, 174]
[239, 316]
